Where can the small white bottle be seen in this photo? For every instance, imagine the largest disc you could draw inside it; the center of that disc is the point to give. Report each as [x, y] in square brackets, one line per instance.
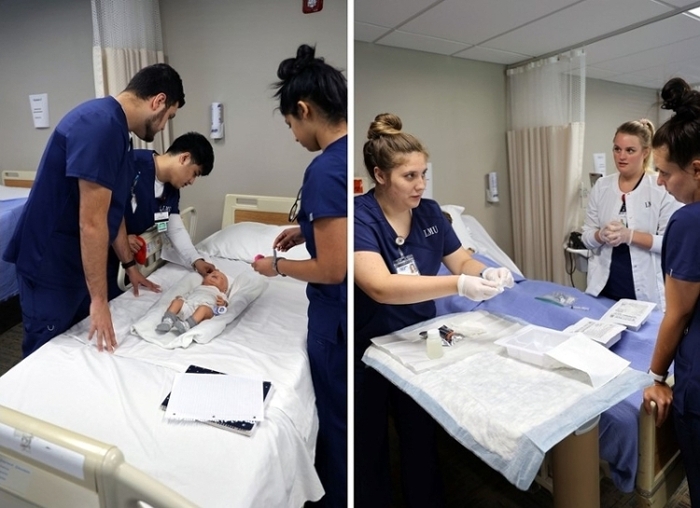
[433, 345]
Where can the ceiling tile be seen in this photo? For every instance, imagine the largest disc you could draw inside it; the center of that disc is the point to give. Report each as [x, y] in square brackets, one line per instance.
[405, 40]
[660, 33]
[494, 31]
[388, 12]
[576, 24]
[685, 50]
[679, 3]
[474, 22]
[491, 55]
[369, 33]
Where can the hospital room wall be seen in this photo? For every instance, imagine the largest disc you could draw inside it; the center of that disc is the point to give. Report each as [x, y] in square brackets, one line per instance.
[608, 105]
[46, 47]
[456, 107]
[229, 52]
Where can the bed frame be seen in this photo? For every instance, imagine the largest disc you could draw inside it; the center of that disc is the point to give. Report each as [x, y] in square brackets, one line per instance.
[266, 209]
[660, 469]
[18, 178]
[48, 466]
[75, 470]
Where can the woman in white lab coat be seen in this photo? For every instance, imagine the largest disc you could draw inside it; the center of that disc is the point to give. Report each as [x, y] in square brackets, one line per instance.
[625, 221]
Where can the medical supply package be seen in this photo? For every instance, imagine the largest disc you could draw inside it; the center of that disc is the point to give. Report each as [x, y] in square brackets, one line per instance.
[629, 313]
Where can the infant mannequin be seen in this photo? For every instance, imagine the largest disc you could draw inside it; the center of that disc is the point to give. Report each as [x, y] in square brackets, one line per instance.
[196, 305]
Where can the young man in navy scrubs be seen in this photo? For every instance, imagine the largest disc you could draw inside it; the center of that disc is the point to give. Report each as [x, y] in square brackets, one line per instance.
[154, 198]
[76, 208]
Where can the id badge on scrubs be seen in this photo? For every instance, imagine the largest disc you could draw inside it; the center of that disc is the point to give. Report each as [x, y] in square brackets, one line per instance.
[406, 265]
[161, 220]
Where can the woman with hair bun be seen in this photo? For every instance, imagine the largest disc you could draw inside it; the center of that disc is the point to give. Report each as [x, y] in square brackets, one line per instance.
[676, 150]
[313, 100]
[401, 240]
[625, 222]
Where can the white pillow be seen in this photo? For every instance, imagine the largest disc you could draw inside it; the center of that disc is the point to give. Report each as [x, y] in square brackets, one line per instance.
[245, 240]
[459, 227]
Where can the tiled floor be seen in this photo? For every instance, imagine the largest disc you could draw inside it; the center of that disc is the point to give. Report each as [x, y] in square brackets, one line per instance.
[10, 334]
[468, 481]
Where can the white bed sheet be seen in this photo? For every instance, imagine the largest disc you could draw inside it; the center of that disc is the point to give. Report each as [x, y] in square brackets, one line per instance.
[472, 235]
[116, 398]
[507, 412]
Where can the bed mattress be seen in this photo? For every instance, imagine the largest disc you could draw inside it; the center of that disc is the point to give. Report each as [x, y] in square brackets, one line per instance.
[115, 398]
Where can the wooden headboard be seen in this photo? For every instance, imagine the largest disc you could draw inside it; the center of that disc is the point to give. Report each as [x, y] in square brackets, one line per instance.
[18, 178]
[265, 209]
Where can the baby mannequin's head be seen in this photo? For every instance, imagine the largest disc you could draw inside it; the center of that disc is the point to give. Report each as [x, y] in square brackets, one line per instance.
[218, 279]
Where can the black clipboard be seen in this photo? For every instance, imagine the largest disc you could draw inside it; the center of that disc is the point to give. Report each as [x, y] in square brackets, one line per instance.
[244, 427]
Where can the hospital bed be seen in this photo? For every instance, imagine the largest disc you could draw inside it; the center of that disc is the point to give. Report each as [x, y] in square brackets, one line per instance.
[639, 456]
[13, 194]
[116, 398]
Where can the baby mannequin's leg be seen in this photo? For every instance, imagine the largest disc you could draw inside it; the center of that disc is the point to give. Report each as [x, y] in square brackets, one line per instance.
[170, 316]
[200, 314]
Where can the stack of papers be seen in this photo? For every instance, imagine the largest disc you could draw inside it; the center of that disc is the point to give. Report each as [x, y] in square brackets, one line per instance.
[211, 397]
[606, 333]
[229, 402]
[629, 313]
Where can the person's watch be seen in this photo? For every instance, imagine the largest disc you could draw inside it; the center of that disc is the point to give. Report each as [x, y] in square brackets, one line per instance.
[128, 264]
[275, 259]
[658, 377]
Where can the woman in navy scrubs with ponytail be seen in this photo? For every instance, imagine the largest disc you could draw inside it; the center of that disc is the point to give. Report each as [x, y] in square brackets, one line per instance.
[313, 100]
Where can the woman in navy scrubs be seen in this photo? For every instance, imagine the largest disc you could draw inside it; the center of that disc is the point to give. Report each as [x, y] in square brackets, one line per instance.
[400, 241]
[676, 149]
[313, 100]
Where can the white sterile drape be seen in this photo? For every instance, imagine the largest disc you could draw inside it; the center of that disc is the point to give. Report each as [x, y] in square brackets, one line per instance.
[126, 37]
[546, 104]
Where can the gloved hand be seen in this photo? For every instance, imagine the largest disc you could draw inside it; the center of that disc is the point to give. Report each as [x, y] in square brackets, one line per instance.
[500, 275]
[476, 288]
[610, 229]
[616, 233]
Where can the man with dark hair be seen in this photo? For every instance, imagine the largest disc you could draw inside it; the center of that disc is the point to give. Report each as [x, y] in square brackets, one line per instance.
[155, 200]
[76, 209]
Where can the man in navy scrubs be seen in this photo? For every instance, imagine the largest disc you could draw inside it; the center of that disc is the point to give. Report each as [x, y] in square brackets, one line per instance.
[76, 208]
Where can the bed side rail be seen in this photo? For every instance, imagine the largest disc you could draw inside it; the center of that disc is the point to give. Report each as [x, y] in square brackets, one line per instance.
[44, 465]
[154, 245]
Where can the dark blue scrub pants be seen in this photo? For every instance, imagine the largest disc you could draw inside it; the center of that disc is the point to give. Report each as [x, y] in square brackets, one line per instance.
[47, 312]
[421, 482]
[329, 369]
[688, 434]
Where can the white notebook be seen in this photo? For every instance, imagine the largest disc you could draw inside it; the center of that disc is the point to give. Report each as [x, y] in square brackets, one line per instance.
[207, 397]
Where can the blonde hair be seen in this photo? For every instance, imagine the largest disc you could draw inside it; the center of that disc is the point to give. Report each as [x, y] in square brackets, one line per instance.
[387, 146]
[644, 130]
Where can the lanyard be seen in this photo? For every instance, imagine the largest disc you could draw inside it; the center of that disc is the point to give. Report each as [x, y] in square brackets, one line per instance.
[623, 208]
[133, 185]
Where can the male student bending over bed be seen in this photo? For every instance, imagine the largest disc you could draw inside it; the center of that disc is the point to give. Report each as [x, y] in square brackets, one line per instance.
[155, 198]
[76, 209]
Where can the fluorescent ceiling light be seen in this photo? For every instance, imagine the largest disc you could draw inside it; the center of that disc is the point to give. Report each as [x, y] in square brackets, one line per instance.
[695, 12]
